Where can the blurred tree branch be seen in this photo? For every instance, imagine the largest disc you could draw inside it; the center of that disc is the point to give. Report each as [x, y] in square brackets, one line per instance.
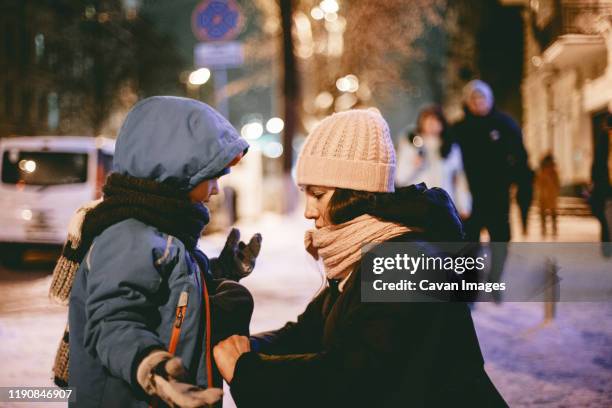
[97, 51]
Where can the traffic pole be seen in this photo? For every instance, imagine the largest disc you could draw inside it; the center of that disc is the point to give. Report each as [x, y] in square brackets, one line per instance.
[220, 82]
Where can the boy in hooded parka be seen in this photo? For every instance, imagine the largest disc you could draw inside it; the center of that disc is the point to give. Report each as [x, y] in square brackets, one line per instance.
[144, 298]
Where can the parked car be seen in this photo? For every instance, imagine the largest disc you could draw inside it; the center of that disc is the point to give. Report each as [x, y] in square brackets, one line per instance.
[44, 179]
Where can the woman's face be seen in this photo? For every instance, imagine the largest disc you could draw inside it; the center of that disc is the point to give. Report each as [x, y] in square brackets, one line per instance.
[431, 126]
[203, 191]
[317, 200]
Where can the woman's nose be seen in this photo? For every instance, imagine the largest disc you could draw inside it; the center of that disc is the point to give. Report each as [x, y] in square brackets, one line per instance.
[310, 212]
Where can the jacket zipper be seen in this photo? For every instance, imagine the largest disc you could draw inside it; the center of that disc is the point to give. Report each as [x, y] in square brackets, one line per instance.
[181, 309]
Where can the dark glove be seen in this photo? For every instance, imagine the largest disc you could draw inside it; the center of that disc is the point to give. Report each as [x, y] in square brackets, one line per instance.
[232, 308]
[162, 375]
[237, 259]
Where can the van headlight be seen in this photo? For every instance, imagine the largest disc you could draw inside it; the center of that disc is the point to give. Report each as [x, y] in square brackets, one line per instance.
[26, 214]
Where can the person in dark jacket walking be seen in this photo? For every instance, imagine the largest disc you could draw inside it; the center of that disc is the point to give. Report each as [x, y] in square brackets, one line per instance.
[494, 158]
[601, 179]
[342, 352]
[524, 197]
[142, 297]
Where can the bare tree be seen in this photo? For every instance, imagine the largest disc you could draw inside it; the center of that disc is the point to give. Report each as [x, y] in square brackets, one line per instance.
[290, 81]
[95, 51]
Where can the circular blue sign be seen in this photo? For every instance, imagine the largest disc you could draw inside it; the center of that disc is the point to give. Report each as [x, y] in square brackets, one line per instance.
[217, 20]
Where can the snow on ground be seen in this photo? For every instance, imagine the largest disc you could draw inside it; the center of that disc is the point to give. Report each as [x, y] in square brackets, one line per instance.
[30, 329]
[566, 363]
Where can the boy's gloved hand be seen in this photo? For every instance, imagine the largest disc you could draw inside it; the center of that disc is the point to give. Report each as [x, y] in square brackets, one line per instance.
[237, 259]
[161, 374]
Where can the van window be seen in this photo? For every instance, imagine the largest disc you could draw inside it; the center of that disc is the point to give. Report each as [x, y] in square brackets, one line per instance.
[43, 168]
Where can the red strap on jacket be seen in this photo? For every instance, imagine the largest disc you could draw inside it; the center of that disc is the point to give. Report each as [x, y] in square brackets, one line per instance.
[208, 351]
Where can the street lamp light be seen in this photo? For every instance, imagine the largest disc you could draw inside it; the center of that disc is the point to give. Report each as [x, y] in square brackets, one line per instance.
[317, 13]
[252, 130]
[199, 76]
[275, 125]
[273, 150]
[329, 6]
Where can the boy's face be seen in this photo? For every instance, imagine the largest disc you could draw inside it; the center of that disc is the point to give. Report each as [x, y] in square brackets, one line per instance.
[203, 191]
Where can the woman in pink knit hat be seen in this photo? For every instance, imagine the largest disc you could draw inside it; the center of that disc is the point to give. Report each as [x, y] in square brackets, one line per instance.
[341, 352]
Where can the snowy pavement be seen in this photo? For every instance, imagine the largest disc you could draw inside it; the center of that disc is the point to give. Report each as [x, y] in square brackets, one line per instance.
[566, 363]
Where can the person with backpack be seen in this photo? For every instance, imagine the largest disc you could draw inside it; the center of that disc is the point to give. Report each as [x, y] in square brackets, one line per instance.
[146, 306]
[342, 352]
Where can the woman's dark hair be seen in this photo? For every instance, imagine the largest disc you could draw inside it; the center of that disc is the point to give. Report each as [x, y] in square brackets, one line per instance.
[345, 204]
[445, 135]
[547, 160]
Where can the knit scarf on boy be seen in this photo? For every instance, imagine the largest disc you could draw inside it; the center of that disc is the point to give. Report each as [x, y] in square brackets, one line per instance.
[148, 201]
[340, 245]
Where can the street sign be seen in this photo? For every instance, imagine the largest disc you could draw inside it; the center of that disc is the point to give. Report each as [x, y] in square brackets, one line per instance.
[218, 55]
[217, 20]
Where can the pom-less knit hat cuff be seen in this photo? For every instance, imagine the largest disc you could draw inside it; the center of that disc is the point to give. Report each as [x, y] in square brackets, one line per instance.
[354, 175]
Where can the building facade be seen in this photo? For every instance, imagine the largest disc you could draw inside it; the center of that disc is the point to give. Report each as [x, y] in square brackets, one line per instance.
[26, 86]
[67, 65]
[567, 82]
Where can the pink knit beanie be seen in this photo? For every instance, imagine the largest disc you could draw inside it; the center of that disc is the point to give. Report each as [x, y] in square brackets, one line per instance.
[351, 149]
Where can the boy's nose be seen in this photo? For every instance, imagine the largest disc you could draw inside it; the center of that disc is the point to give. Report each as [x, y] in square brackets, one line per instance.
[215, 188]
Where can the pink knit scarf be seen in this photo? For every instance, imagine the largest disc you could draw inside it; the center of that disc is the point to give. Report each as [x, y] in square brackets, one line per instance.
[340, 245]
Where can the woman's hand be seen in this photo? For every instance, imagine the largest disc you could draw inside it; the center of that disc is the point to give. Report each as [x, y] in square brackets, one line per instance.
[227, 353]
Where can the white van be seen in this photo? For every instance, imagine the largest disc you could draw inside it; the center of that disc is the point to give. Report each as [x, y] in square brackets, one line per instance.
[44, 179]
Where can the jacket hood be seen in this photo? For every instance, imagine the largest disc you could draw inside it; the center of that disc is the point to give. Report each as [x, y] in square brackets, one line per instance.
[479, 86]
[177, 141]
[430, 209]
[483, 89]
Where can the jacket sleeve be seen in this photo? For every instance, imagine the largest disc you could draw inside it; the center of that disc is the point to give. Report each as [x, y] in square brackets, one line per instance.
[407, 162]
[463, 197]
[372, 354]
[518, 159]
[295, 337]
[121, 312]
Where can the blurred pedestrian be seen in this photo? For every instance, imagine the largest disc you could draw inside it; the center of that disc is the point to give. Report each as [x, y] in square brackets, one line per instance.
[547, 187]
[494, 158]
[601, 178]
[142, 297]
[429, 155]
[524, 197]
[342, 352]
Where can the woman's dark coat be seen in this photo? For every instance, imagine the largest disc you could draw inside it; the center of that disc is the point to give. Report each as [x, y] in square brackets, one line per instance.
[345, 353]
